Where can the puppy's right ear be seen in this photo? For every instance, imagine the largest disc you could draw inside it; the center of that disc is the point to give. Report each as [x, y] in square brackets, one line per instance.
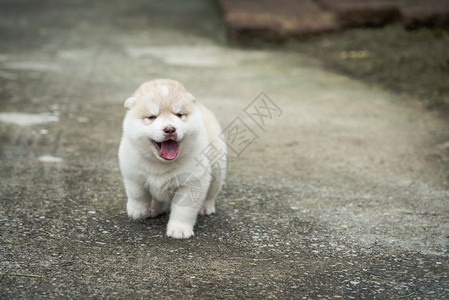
[130, 102]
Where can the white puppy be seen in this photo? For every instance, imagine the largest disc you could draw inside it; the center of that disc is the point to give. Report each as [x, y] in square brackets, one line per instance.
[171, 156]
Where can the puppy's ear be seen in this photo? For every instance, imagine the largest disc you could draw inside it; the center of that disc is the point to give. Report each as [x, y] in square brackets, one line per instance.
[192, 97]
[130, 102]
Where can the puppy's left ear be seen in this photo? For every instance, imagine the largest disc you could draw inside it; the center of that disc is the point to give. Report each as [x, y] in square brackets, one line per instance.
[130, 102]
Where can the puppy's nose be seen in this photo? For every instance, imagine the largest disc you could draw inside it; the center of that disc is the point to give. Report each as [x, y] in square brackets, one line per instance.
[169, 129]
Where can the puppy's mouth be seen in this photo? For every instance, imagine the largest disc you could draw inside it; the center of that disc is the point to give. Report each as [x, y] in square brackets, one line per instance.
[168, 149]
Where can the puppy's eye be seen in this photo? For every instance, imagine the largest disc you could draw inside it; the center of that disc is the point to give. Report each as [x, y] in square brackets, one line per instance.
[151, 117]
[179, 115]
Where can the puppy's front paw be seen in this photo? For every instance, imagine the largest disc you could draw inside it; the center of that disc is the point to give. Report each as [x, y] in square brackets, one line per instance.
[179, 230]
[137, 210]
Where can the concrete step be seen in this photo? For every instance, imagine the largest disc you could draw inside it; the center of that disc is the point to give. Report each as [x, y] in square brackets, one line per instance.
[271, 21]
[274, 20]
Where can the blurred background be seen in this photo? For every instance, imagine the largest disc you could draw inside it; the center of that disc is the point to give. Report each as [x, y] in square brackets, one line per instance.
[402, 45]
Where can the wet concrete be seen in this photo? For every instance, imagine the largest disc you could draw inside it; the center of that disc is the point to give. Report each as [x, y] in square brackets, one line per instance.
[340, 192]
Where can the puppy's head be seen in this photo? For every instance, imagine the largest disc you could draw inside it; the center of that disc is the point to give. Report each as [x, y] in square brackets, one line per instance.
[161, 116]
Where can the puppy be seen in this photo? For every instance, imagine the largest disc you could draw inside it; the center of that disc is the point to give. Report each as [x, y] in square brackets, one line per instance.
[171, 156]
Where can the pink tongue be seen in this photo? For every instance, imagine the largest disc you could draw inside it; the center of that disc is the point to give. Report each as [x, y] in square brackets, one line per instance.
[169, 149]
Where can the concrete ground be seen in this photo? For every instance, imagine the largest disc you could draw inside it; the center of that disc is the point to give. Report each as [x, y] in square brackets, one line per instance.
[337, 190]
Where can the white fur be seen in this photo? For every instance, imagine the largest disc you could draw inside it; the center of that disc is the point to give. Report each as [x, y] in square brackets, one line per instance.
[154, 185]
[153, 109]
[176, 107]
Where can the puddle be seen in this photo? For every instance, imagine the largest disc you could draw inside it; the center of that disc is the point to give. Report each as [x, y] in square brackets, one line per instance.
[195, 56]
[23, 119]
[74, 54]
[49, 159]
[31, 65]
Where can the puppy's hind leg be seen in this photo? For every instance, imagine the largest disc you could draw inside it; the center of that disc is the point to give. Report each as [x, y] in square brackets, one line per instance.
[216, 184]
[208, 207]
[157, 208]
